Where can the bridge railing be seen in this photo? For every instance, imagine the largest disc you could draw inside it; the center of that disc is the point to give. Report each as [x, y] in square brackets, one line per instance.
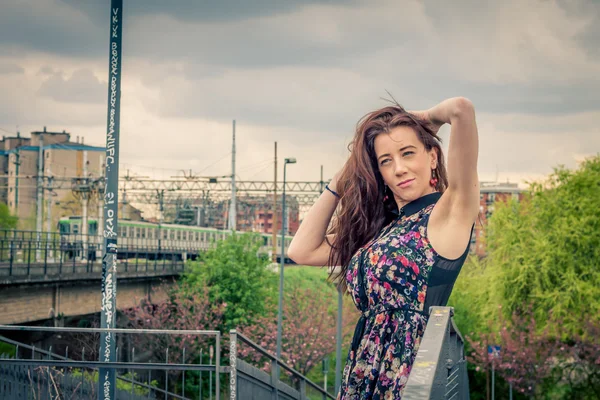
[246, 382]
[24, 254]
[78, 242]
[440, 368]
[43, 374]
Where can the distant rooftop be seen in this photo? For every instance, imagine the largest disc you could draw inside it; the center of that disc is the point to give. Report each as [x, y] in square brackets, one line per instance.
[45, 132]
[498, 187]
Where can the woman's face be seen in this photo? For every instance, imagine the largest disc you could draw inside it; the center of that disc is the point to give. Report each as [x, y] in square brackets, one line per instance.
[405, 164]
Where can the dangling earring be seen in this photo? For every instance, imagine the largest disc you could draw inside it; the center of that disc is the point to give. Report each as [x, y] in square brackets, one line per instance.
[433, 181]
[385, 196]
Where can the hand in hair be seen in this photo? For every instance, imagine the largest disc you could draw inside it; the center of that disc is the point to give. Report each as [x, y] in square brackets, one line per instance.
[425, 115]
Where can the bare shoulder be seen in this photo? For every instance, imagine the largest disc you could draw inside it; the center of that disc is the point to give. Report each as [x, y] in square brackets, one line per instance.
[451, 221]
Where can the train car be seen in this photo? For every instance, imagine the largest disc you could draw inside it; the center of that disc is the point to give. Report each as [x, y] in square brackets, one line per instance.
[146, 239]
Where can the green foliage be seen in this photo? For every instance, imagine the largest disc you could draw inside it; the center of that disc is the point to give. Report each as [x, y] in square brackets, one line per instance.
[122, 385]
[7, 221]
[237, 275]
[8, 349]
[316, 279]
[471, 296]
[543, 253]
[545, 250]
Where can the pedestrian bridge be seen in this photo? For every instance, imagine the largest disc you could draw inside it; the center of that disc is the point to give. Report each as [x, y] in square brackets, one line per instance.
[439, 371]
[50, 279]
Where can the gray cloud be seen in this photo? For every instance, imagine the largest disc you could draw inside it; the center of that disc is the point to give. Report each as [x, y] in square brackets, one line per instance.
[81, 87]
[9, 68]
[193, 10]
[49, 27]
[303, 72]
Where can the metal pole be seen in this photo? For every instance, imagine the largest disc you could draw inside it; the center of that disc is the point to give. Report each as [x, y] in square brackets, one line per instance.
[232, 208]
[106, 381]
[167, 376]
[280, 307]
[233, 365]
[200, 378]
[210, 379]
[274, 219]
[84, 204]
[338, 345]
[49, 217]
[493, 382]
[40, 195]
[321, 182]
[17, 163]
[218, 366]
[100, 196]
[183, 376]
[160, 194]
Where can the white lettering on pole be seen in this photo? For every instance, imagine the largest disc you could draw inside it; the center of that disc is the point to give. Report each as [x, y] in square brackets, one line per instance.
[109, 198]
[109, 227]
[110, 141]
[107, 386]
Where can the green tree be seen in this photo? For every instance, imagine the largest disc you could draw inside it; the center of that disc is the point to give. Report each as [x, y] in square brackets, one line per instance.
[545, 250]
[236, 274]
[7, 220]
[542, 256]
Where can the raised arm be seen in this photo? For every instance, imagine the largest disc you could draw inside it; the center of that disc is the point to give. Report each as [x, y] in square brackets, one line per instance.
[462, 195]
[310, 246]
[451, 220]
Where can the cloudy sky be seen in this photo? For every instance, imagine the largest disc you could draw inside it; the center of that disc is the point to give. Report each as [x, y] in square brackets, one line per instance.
[302, 73]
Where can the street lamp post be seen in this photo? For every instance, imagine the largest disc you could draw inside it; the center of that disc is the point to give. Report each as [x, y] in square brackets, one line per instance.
[283, 223]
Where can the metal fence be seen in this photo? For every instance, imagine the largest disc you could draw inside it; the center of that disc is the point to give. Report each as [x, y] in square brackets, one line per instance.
[27, 254]
[247, 382]
[155, 371]
[159, 366]
[440, 368]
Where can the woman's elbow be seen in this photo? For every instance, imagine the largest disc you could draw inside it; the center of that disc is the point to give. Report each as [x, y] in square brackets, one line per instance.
[294, 254]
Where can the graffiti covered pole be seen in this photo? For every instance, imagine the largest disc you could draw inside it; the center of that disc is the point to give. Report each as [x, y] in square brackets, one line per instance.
[106, 381]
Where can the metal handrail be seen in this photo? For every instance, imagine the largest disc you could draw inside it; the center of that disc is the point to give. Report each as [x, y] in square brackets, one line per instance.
[429, 377]
[234, 336]
[58, 356]
[148, 366]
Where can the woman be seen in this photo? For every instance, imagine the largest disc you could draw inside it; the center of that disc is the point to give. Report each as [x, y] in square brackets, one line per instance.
[401, 235]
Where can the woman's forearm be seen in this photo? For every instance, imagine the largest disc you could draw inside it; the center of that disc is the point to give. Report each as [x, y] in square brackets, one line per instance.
[312, 231]
[449, 110]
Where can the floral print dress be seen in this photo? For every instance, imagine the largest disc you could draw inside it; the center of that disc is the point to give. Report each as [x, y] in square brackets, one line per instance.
[389, 280]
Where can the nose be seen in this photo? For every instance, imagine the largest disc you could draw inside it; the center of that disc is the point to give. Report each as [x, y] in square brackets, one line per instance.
[400, 169]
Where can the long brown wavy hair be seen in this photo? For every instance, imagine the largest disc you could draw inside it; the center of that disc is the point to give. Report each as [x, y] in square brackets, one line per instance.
[362, 212]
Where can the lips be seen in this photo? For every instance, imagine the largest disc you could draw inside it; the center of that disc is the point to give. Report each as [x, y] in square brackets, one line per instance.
[405, 183]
